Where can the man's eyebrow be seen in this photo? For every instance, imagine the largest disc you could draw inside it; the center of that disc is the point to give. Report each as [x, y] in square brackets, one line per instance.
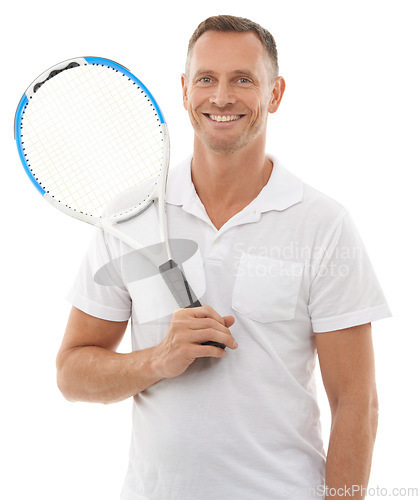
[238, 72]
[246, 72]
[201, 72]
[242, 72]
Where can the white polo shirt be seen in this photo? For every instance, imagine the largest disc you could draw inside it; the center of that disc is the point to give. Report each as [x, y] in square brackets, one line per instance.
[244, 427]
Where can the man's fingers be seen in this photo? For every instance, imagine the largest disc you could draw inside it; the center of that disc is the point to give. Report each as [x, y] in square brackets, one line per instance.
[208, 351]
[205, 312]
[209, 334]
[202, 323]
[228, 321]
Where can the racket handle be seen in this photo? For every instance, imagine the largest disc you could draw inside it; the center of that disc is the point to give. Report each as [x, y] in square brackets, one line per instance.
[178, 285]
[181, 290]
[194, 304]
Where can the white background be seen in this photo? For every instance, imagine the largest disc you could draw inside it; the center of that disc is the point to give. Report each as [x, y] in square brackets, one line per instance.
[348, 125]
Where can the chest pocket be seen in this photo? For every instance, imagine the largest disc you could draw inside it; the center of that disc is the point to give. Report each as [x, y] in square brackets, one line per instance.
[266, 289]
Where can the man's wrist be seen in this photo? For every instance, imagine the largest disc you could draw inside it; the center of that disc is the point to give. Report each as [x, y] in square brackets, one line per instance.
[147, 367]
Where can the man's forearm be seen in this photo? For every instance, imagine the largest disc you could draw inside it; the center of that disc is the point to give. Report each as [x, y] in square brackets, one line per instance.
[93, 374]
[349, 456]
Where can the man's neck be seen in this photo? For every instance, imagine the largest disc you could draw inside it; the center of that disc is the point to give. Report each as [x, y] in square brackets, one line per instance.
[226, 183]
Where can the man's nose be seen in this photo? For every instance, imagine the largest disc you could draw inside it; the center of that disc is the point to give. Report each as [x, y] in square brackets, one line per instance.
[222, 95]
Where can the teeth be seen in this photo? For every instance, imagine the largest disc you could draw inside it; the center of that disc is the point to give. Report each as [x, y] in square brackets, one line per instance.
[224, 118]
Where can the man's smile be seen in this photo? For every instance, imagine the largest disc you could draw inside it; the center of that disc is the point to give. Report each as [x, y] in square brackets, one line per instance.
[222, 118]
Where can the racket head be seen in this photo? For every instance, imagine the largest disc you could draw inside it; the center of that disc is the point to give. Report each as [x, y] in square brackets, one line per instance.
[89, 132]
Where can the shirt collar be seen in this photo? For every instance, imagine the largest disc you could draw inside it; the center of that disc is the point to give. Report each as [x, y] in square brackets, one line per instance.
[282, 191]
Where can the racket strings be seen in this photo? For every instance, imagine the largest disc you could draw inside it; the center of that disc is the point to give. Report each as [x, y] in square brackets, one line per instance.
[89, 134]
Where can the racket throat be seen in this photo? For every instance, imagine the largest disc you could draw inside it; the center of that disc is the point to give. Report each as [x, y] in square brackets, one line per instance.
[178, 285]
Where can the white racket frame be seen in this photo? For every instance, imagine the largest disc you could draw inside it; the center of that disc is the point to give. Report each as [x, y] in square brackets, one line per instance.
[110, 224]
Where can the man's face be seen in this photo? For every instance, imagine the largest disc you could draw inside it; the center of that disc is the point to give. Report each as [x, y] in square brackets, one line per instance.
[228, 91]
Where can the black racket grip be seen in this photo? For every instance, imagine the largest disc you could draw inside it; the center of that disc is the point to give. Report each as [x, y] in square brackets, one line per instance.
[210, 342]
[181, 290]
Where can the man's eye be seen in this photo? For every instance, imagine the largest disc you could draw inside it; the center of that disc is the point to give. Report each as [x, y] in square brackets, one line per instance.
[244, 80]
[205, 79]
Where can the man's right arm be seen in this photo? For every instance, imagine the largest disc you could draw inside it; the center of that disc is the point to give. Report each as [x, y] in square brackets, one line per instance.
[89, 368]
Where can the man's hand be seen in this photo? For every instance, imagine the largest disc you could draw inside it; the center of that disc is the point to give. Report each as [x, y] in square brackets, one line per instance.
[89, 369]
[188, 329]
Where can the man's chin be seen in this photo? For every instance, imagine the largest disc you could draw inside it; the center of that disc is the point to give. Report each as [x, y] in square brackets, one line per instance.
[222, 147]
[224, 144]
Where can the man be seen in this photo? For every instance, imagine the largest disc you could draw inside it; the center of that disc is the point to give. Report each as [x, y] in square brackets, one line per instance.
[285, 275]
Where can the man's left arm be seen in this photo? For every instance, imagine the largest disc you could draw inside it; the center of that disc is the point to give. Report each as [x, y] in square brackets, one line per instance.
[346, 359]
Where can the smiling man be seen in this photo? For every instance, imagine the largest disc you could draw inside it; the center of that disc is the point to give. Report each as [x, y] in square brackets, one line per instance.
[285, 277]
[228, 107]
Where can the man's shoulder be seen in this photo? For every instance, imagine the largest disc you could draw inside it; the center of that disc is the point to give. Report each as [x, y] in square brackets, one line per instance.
[179, 182]
[313, 204]
[314, 199]
[319, 210]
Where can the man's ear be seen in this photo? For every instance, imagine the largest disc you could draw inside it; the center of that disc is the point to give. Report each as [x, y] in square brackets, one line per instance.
[277, 93]
[184, 91]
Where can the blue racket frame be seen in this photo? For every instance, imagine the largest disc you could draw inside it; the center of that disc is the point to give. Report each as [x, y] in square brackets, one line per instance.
[47, 74]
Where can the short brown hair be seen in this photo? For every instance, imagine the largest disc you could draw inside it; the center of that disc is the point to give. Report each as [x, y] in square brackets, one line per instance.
[239, 25]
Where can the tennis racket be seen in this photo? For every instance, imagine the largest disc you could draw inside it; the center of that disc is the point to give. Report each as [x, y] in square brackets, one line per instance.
[88, 131]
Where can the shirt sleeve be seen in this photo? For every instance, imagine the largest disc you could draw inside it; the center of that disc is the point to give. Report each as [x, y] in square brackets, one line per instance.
[345, 291]
[103, 298]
